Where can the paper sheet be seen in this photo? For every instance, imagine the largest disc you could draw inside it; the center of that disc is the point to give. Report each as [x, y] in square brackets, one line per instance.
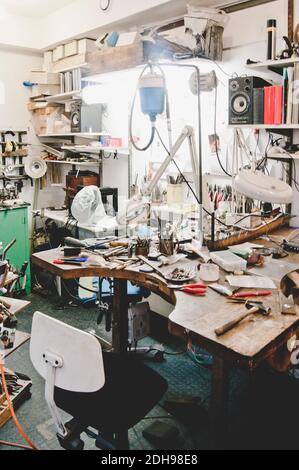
[274, 269]
[254, 282]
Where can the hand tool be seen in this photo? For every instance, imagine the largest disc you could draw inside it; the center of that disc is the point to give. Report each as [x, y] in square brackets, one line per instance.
[64, 262]
[152, 265]
[252, 307]
[194, 289]
[222, 290]
[76, 260]
[240, 295]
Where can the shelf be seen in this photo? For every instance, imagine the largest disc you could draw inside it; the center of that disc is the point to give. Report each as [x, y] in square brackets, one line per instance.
[283, 156]
[63, 97]
[60, 162]
[95, 150]
[279, 64]
[264, 126]
[20, 144]
[84, 67]
[84, 135]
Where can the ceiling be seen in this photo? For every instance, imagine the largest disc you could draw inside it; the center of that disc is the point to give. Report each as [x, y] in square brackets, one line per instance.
[33, 8]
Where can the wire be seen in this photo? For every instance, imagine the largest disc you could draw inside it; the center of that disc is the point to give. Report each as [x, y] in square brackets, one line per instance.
[216, 140]
[11, 409]
[187, 182]
[152, 137]
[85, 288]
[223, 71]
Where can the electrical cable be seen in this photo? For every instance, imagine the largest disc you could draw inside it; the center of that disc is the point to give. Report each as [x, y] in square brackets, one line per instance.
[187, 182]
[216, 140]
[152, 137]
[11, 409]
[85, 288]
[13, 444]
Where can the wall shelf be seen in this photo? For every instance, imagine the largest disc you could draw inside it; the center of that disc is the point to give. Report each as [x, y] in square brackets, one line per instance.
[265, 126]
[64, 97]
[61, 162]
[274, 65]
[84, 67]
[95, 150]
[84, 135]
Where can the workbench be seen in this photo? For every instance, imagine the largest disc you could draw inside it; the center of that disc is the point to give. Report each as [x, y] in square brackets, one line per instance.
[195, 318]
[16, 306]
[14, 225]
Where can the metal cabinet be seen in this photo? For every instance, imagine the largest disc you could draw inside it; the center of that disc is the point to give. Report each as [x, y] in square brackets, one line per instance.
[14, 225]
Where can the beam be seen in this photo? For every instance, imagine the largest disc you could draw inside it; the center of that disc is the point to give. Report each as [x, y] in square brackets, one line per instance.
[245, 5]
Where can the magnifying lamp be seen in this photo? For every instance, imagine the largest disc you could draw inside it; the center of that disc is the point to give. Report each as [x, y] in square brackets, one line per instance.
[261, 187]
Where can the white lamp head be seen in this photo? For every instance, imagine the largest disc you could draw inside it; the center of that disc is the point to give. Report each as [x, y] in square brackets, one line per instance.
[264, 188]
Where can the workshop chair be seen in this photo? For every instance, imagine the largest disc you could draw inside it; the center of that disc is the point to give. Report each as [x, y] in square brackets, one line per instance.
[102, 391]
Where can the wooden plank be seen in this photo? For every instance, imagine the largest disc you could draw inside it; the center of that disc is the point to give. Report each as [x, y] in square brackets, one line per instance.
[117, 58]
[291, 20]
[20, 339]
[244, 236]
[16, 305]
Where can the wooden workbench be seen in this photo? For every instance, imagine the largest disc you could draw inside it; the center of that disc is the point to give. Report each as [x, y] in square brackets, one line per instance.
[196, 318]
[16, 306]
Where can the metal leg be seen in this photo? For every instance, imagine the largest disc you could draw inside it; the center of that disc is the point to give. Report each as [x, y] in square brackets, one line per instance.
[122, 440]
[219, 402]
[120, 317]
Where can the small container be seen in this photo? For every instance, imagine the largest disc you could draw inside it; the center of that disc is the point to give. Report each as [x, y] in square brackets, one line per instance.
[209, 272]
[175, 193]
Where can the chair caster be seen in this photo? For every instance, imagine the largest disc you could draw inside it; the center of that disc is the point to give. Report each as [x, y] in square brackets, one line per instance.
[68, 443]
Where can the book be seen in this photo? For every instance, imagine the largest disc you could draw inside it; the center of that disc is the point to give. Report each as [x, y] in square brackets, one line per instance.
[278, 101]
[258, 106]
[290, 95]
[285, 95]
[269, 93]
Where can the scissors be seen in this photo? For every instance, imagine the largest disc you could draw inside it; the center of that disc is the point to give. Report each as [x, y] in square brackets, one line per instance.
[193, 289]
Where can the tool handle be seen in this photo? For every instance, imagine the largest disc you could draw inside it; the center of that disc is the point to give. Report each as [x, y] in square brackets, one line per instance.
[193, 291]
[240, 295]
[231, 324]
[152, 265]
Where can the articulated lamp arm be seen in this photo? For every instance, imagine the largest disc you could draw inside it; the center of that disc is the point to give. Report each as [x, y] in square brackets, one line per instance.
[187, 133]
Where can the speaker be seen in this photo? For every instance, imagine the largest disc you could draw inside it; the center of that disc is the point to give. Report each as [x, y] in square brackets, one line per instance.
[242, 99]
[76, 116]
[86, 118]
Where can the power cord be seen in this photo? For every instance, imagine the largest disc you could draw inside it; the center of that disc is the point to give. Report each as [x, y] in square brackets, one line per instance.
[216, 140]
[13, 415]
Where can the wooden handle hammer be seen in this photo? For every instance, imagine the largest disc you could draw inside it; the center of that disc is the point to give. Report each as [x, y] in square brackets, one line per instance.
[251, 309]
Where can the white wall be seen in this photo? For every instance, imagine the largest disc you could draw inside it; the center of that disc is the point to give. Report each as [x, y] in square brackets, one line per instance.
[19, 31]
[15, 68]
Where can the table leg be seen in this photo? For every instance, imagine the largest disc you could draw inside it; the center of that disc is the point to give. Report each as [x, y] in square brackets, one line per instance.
[120, 317]
[219, 402]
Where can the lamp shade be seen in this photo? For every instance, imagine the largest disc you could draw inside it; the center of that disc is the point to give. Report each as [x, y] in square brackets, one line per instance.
[264, 188]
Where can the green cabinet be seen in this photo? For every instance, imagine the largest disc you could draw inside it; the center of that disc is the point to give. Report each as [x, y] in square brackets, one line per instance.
[14, 225]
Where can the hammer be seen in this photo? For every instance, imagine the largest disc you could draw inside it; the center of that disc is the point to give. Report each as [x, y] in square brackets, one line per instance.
[252, 307]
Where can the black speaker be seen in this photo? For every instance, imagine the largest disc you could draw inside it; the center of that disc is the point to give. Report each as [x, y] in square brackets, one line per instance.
[86, 118]
[76, 116]
[242, 99]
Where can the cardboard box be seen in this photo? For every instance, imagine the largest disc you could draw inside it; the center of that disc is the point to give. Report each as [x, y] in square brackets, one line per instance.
[48, 61]
[70, 63]
[58, 53]
[86, 45]
[71, 49]
[48, 90]
[44, 78]
[46, 110]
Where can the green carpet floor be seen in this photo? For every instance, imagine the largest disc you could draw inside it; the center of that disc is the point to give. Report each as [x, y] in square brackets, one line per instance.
[274, 408]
